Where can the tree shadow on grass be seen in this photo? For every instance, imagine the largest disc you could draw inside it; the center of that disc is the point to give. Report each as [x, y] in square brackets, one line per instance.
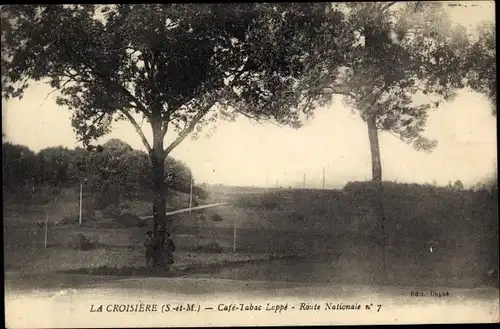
[173, 271]
[291, 268]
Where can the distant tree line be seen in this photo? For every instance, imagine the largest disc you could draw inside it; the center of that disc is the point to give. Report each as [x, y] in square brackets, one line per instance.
[112, 171]
[489, 186]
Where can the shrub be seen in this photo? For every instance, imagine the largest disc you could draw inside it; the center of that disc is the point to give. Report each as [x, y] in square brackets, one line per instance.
[270, 205]
[66, 220]
[217, 218]
[201, 193]
[297, 217]
[212, 247]
[111, 211]
[128, 219]
[141, 222]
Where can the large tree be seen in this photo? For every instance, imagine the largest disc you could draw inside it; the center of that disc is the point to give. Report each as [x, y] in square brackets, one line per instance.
[177, 66]
[404, 60]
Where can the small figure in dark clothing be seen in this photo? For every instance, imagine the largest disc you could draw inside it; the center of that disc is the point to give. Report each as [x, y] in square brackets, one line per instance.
[158, 243]
[149, 244]
[169, 249]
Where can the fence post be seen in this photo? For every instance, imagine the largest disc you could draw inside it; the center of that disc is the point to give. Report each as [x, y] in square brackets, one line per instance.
[46, 227]
[234, 236]
[80, 213]
[323, 177]
[191, 195]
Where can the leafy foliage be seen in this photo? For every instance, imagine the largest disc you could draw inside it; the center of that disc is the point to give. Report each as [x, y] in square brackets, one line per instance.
[480, 63]
[458, 185]
[116, 172]
[18, 162]
[166, 62]
[177, 66]
[403, 62]
[54, 164]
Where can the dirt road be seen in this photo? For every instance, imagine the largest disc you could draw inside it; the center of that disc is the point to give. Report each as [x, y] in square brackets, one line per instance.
[66, 300]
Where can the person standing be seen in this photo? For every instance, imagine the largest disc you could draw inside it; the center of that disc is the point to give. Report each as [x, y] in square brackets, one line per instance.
[149, 245]
[158, 247]
[169, 249]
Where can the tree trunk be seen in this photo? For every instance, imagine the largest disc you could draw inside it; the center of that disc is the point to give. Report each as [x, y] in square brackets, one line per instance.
[378, 201]
[159, 190]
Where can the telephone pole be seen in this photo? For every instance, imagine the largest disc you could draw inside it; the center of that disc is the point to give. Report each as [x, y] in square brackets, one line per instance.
[267, 181]
[323, 177]
[191, 194]
[81, 197]
[304, 181]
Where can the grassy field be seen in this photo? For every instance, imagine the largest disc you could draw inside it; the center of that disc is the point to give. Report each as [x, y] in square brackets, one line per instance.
[301, 222]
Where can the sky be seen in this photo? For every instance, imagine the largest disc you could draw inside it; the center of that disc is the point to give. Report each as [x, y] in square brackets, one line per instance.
[335, 140]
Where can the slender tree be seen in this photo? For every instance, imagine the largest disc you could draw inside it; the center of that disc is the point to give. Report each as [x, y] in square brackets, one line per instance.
[404, 59]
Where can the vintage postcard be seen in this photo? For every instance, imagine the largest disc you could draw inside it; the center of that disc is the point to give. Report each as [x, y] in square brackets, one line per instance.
[249, 164]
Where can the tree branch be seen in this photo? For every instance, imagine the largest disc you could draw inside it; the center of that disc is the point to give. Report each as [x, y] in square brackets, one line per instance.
[340, 91]
[387, 6]
[54, 90]
[94, 122]
[139, 105]
[75, 77]
[137, 129]
[197, 118]
[164, 129]
[256, 119]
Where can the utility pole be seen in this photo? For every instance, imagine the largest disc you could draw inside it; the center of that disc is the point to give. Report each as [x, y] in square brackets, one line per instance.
[267, 181]
[81, 193]
[46, 227]
[323, 177]
[234, 236]
[81, 200]
[191, 194]
[304, 181]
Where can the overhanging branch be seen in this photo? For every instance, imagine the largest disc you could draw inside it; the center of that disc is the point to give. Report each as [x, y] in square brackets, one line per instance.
[94, 122]
[197, 118]
[137, 129]
[388, 5]
[170, 111]
[339, 90]
[56, 89]
[134, 99]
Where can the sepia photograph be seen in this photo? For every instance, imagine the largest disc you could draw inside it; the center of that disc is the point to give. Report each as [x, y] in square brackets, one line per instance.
[249, 164]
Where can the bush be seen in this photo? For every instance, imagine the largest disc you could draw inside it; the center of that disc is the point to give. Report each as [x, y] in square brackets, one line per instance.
[141, 222]
[297, 217]
[201, 193]
[270, 205]
[217, 218]
[66, 220]
[128, 219]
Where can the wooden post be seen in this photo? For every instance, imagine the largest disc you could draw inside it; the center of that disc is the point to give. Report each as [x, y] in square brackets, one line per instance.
[81, 192]
[323, 178]
[191, 195]
[46, 227]
[234, 236]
